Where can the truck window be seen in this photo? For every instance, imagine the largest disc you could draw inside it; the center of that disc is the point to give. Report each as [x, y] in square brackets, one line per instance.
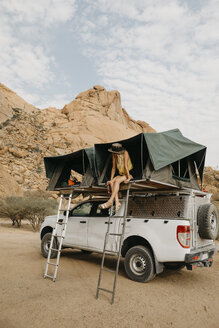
[82, 210]
[96, 211]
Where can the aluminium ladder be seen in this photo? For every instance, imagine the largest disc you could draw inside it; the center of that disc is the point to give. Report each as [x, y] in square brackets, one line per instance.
[109, 252]
[60, 234]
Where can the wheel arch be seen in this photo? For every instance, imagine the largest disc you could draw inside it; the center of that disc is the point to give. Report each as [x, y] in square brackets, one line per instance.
[132, 241]
[45, 230]
[135, 240]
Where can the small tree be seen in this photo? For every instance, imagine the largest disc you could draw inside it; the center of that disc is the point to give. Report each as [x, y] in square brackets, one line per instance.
[37, 209]
[33, 206]
[12, 208]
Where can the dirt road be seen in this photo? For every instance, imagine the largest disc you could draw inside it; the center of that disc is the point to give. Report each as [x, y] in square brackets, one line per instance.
[172, 299]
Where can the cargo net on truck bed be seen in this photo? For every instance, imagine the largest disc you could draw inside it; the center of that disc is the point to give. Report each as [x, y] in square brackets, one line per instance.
[159, 207]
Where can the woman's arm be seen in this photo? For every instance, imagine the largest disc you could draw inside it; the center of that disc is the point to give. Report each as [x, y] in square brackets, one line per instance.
[126, 158]
[113, 171]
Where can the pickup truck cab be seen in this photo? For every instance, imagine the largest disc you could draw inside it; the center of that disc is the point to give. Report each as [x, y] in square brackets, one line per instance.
[170, 230]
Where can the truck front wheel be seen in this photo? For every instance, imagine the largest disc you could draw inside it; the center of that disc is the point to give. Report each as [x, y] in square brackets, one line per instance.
[139, 264]
[45, 244]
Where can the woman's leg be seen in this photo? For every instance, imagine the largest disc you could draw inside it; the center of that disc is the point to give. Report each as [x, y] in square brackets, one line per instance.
[116, 184]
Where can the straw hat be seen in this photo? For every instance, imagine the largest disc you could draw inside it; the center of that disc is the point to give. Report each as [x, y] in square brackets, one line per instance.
[116, 148]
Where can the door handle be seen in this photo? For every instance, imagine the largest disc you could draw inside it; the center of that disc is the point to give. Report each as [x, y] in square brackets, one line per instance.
[83, 221]
[108, 222]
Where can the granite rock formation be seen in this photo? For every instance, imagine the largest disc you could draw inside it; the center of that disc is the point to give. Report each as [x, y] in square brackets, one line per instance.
[28, 134]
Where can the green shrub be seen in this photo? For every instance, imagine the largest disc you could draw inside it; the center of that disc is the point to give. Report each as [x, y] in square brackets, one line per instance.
[33, 206]
[12, 208]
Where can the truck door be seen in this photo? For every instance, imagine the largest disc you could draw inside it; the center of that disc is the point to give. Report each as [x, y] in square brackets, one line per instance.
[97, 227]
[76, 232]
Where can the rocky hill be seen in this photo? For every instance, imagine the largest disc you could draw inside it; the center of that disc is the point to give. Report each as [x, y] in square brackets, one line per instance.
[28, 134]
[211, 184]
[9, 100]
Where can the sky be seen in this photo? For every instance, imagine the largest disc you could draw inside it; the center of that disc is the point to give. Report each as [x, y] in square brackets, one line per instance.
[162, 56]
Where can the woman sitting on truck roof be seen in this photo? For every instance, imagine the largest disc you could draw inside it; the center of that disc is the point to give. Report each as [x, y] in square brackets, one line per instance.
[121, 160]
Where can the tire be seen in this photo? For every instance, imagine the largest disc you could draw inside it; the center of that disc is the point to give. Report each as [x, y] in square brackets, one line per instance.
[207, 219]
[45, 243]
[174, 266]
[139, 264]
[86, 252]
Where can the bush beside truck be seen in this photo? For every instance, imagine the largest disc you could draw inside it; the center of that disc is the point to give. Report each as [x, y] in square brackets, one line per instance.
[33, 206]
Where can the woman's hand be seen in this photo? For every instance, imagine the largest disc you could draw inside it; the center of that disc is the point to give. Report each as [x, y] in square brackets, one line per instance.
[129, 177]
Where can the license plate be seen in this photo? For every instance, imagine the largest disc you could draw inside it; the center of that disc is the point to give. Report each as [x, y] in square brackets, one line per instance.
[204, 256]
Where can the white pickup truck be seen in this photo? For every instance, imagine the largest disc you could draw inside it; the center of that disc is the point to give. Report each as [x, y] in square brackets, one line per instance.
[170, 230]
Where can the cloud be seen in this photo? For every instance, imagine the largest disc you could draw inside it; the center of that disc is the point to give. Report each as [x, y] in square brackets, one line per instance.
[41, 12]
[161, 55]
[24, 33]
[163, 58]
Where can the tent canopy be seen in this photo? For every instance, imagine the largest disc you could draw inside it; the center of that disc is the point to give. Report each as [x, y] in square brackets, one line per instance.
[164, 157]
[58, 168]
[171, 146]
[103, 158]
[170, 149]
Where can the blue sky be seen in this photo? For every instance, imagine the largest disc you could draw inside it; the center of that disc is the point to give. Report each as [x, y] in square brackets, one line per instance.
[162, 56]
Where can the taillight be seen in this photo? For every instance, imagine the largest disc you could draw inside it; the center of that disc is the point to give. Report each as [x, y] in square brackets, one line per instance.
[183, 235]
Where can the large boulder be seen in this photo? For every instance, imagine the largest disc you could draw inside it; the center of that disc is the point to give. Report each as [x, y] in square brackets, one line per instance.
[95, 116]
[107, 103]
[8, 100]
[8, 184]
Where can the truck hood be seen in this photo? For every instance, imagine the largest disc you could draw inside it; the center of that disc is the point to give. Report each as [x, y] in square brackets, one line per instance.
[50, 221]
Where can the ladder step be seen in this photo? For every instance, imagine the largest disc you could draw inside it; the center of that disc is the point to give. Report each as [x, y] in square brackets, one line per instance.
[108, 251]
[50, 263]
[59, 231]
[106, 290]
[114, 234]
[55, 249]
[47, 275]
[108, 270]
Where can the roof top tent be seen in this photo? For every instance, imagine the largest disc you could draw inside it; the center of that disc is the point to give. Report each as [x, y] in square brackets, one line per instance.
[165, 159]
[58, 168]
[103, 158]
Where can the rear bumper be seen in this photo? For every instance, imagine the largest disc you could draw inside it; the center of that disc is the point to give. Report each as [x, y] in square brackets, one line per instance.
[200, 258]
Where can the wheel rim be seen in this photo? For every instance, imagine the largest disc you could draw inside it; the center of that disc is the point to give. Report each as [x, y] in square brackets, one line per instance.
[138, 264]
[47, 245]
[213, 222]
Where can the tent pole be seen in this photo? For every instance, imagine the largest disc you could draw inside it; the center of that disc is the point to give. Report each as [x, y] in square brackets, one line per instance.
[142, 171]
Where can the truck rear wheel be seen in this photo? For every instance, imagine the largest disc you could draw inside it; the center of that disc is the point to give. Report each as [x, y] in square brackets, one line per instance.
[139, 264]
[207, 221]
[45, 244]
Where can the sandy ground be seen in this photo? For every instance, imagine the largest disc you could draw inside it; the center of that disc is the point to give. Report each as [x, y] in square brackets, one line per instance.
[172, 299]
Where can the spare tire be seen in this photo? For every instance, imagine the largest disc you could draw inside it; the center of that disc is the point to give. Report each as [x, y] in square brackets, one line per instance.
[207, 220]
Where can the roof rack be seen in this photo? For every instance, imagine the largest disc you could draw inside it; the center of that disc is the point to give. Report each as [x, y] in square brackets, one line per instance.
[143, 185]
